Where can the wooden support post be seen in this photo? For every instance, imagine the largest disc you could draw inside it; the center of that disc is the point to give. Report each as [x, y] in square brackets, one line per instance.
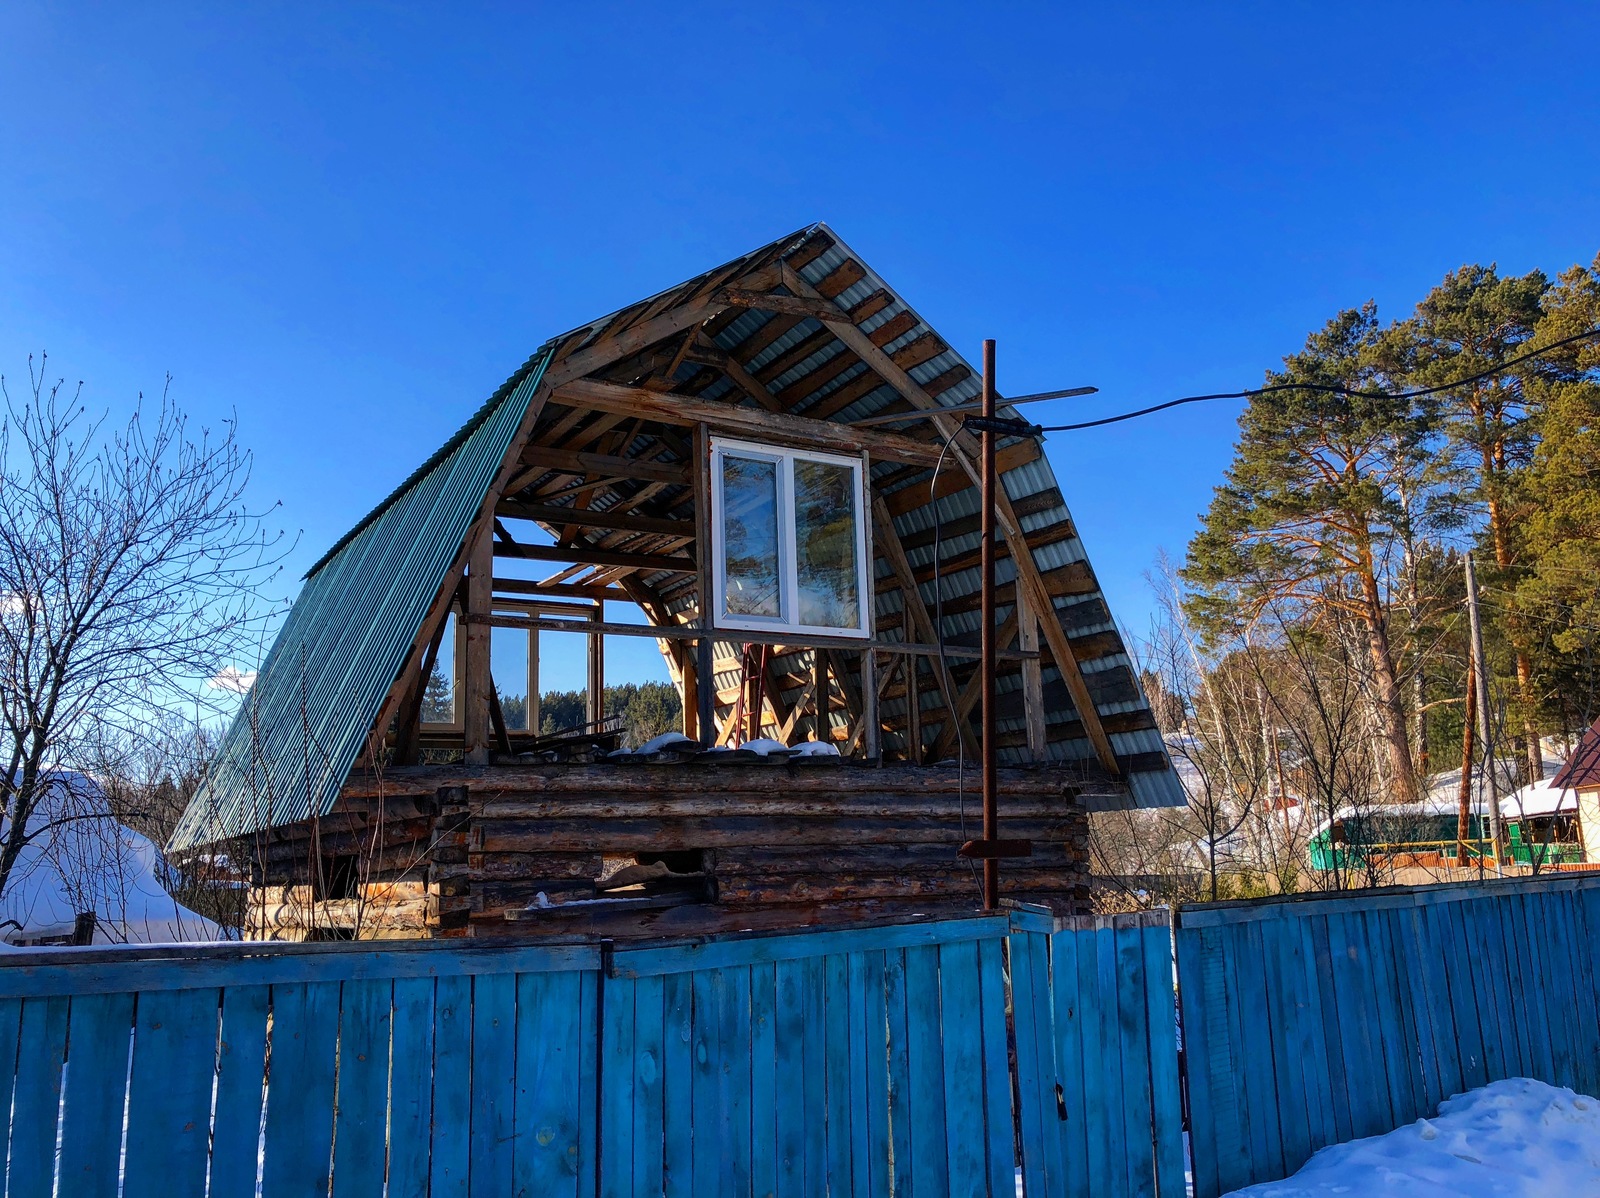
[597, 669]
[753, 679]
[706, 690]
[1032, 678]
[819, 694]
[690, 674]
[871, 740]
[914, 709]
[476, 681]
[705, 648]
[986, 665]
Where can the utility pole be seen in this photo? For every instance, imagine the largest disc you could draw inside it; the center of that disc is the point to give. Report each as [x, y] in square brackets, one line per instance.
[991, 780]
[990, 849]
[1464, 794]
[1481, 680]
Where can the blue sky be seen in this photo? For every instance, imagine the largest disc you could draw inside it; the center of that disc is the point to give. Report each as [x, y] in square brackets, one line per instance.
[350, 223]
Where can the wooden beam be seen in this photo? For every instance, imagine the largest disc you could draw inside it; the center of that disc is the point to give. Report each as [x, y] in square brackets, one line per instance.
[1029, 581]
[558, 590]
[549, 514]
[578, 554]
[1032, 681]
[736, 636]
[788, 305]
[613, 348]
[580, 463]
[800, 430]
[477, 684]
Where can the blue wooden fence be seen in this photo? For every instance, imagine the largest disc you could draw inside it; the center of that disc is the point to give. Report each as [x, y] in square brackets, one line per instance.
[1097, 1056]
[870, 1060]
[862, 1061]
[1316, 1020]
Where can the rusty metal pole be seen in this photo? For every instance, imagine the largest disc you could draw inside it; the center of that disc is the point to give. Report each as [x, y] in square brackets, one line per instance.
[991, 813]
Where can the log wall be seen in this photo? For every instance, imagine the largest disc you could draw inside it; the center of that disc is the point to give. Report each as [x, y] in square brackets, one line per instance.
[520, 850]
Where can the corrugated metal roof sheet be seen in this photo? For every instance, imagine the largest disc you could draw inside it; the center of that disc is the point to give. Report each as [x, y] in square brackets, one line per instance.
[319, 692]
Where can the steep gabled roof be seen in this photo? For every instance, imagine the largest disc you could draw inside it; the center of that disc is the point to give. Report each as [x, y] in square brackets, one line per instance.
[359, 619]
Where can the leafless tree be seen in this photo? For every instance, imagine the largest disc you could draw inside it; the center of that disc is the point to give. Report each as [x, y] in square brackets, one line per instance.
[132, 575]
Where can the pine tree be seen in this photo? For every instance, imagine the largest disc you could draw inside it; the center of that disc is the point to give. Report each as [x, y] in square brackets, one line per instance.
[1471, 323]
[1319, 491]
[1559, 492]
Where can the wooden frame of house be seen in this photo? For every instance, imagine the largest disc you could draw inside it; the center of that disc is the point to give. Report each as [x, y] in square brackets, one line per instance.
[702, 442]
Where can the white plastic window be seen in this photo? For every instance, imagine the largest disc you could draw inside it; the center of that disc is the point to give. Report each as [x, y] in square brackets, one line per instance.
[789, 541]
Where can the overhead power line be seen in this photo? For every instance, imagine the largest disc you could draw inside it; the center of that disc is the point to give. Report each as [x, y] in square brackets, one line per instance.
[1326, 388]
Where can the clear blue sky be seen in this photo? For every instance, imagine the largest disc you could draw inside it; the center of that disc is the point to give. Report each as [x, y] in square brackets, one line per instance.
[349, 223]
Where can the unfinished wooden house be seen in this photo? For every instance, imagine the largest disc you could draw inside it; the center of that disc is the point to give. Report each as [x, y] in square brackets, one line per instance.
[719, 458]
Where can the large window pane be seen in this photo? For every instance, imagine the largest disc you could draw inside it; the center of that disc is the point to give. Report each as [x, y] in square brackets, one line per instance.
[750, 536]
[825, 544]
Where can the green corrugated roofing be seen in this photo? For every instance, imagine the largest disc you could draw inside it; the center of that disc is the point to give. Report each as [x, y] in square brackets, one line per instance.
[320, 690]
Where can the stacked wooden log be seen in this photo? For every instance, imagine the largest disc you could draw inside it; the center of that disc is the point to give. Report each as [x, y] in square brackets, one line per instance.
[529, 849]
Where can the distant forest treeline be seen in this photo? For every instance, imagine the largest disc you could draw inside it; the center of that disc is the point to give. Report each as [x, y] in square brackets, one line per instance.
[648, 709]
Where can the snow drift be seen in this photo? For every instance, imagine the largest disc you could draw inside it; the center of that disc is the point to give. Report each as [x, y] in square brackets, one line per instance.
[1518, 1138]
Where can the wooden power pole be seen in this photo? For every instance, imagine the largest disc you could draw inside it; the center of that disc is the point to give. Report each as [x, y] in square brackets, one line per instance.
[1481, 681]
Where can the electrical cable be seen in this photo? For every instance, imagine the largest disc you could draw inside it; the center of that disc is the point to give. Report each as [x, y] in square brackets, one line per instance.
[1325, 388]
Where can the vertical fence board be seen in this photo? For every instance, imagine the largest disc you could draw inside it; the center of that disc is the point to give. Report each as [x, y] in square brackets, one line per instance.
[494, 1049]
[411, 1088]
[876, 1066]
[677, 1067]
[1166, 1100]
[764, 1093]
[789, 1070]
[1034, 1059]
[648, 1129]
[899, 1037]
[452, 1088]
[546, 1155]
[1070, 1064]
[711, 1153]
[98, 1034]
[37, 1097]
[929, 1154]
[241, 1090]
[962, 1050]
[836, 1010]
[814, 1084]
[1285, 1000]
[305, 1027]
[616, 1089]
[997, 1112]
[169, 1094]
[858, 1066]
[1133, 1032]
[361, 1113]
[733, 1078]
[10, 1044]
[1196, 1061]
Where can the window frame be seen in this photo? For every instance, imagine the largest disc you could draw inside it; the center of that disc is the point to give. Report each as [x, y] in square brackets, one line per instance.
[788, 570]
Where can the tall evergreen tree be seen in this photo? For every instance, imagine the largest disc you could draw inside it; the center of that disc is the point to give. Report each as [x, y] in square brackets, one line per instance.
[1559, 492]
[1468, 325]
[1311, 513]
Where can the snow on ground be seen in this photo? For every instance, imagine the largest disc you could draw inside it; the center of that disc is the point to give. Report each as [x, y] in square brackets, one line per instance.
[1511, 1139]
